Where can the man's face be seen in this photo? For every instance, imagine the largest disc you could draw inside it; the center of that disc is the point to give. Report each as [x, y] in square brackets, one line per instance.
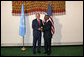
[45, 18]
[37, 16]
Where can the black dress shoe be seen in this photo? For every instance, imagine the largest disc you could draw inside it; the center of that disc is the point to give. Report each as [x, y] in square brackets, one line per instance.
[39, 52]
[45, 53]
[48, 53]
[34, 52]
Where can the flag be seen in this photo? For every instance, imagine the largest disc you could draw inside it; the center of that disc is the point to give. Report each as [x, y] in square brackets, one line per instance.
[50, 18]
[22, 29]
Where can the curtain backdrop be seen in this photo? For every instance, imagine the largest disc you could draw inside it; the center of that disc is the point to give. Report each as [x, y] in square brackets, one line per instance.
[30, 7]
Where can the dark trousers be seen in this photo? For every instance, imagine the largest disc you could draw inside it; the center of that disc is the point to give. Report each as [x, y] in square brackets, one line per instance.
[47, 45]
[35, 40]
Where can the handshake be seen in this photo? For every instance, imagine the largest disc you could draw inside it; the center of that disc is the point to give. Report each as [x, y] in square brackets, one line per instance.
[40, 28]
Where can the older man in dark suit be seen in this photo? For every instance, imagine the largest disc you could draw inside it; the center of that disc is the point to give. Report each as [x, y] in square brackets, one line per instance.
[36, 24]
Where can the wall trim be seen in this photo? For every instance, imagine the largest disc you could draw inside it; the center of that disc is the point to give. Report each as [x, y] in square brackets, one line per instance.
[53, 44]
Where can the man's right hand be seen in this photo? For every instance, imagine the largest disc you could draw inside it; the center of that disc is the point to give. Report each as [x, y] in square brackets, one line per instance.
[40, 29]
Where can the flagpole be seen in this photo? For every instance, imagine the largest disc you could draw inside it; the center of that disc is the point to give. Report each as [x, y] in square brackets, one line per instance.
[23, 48]
[22, 26]
[23, 42]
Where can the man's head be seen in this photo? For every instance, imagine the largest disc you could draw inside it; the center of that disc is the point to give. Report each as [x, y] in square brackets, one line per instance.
[46, 17]
[37, 15]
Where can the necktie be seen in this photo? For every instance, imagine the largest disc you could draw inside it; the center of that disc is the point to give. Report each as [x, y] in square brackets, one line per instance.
[39, 22]
[45, 22]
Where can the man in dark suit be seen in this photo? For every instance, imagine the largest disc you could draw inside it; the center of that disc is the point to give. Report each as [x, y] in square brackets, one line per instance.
[47, 34]
[36, 24]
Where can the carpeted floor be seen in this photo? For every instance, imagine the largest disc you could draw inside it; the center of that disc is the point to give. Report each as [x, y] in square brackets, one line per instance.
[56, 51]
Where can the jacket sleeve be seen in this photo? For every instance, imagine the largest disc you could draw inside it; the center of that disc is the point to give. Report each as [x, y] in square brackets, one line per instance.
[42, 23]
[33, 25]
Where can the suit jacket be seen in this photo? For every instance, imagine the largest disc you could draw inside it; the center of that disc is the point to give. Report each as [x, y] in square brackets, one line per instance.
[47, 29]
[35, 26]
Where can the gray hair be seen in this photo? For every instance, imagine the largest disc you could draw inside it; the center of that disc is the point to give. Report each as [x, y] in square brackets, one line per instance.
[37, 14]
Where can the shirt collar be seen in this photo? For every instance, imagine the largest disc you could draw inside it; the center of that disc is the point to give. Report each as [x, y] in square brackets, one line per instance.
[47, 20]
[38, 19]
